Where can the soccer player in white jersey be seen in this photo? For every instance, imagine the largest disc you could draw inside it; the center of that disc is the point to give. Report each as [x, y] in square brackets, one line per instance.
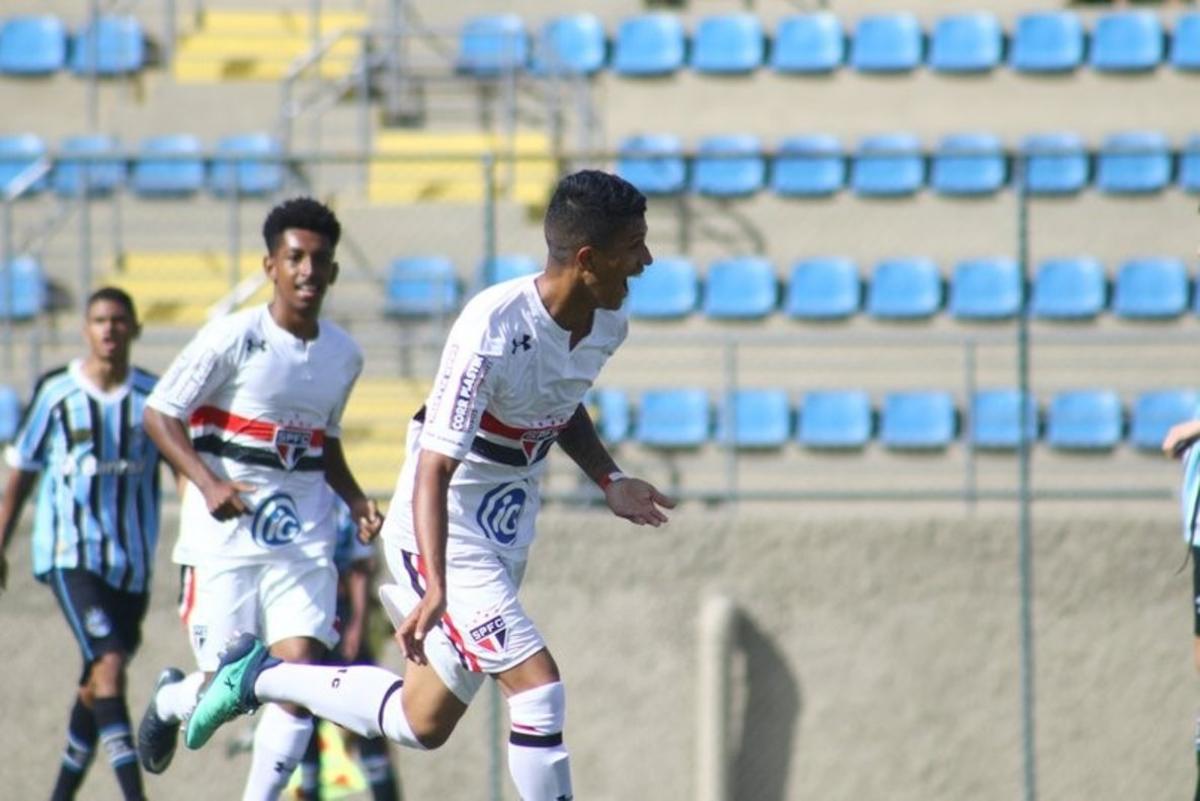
[249, 413]
[96, 528]
[511, 382]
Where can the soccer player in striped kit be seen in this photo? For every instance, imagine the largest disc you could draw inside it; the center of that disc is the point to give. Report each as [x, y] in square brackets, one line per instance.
[96, 526]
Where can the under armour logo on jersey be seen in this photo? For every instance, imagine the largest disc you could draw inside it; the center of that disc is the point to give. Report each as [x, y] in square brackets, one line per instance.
[253, 344]
[522, 343]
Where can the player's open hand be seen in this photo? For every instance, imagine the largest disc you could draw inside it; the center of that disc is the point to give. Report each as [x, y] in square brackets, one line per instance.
[225, 501]
[1180, 437]
[637, 501]
[366, 515]
[411, 633]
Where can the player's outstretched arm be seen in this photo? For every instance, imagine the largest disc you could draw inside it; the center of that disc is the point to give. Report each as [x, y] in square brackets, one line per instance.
[16, 491]
[363, 510]
[223, 497]
[1180, 437]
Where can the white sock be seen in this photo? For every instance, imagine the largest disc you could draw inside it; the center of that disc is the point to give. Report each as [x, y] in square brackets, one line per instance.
[280, 740]
[175, 702]
[362, 698]
[537, 759]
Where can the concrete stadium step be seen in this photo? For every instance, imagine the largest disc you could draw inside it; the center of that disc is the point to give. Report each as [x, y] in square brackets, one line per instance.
[374, 428]
[179, 287]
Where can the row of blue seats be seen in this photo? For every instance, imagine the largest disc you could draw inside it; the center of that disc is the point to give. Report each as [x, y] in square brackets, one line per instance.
[1087, 419]
[168, 165]
[831, 288]
[42, 45]
[735, 44]
[894, 165]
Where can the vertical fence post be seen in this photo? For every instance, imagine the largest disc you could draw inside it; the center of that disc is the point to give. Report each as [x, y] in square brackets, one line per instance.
[970, 487]
[364, 108]
[728, 422]
[93, 56]
[169, 29]
[489, 220]
[86, 250]
[235, 230]
[8, 285]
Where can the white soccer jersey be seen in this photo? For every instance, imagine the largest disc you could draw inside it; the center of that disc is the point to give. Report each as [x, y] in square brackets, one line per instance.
[259, 403]
[507, 384]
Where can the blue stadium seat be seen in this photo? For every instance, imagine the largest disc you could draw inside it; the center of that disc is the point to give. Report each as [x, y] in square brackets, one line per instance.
[491, 45]
[1056, 164]
[969, 164]
[668, 289]
[238, 163]
[571, 45]
[673, 418]
[986, 289]
[118, 47]
[835, 419]
[19, 152]
[996, 419]
[918, 420]
[743, 288]
[649, 45]
[1134, 162]
[966, 43]
[755, 418]
[103, 177]
[1127, 41]
[1069, 289]
[27, 284]
[653, 163]
[1085, 419]
[729, 166]
[888, 165]
[507, 267]
[1150, 289]
[180, 175]
[10, 414]
[612, 417]
[1189, 164]
[808, 44]
[1185, 42]
[1047, 41]
[33, 45]
[809, 165]
[887, 43]
[823, 288]
[421, 286]
[1154, 413]
[904, 289]
[728, 44]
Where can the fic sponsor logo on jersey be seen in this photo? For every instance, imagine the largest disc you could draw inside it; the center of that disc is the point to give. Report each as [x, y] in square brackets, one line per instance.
[499, 512]
[464, 398]
[276, 521]
[291, 444]
[492, 634]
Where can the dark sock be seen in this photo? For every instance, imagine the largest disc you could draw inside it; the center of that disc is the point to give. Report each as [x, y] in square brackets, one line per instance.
[310, 767]
[112, 719]
[81, 745]
[373, 753]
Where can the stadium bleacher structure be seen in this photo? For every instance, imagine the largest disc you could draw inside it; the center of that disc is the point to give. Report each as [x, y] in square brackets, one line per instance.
[905, 288]
[1154, 412]
[1185, 42]
[19, 152]
[823, 288]
[729, 166]
[101, 177]
[650, 45]
[1069, 288]
[32, 45]
[242, 163]
[986, 289]
[918, 420]
[755, 418]
[23, 288]
[1084, 419]
[968, 43]
[732, 44]
[995, 419]
[573, 45]
[668, 289]
[740, 288]
[10, 413]
[887, 43]
[1047, 42]
[492, 45]
[1151, 289]
[180, 174]
[888, 165]
[808, 165]
[422, 286]
[1127, 41]
[116, 45]
[673, 418]
[808, 44]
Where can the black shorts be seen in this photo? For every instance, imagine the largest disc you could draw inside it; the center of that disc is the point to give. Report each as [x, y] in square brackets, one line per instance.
[103, 619]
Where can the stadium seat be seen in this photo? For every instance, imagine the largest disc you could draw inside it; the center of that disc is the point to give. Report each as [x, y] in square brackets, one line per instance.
[1134, 162]
[673, 418]
[742, 288]
[1189, 165]
[835, 419]
[33, 45]
[19, 152]
[10, 414]
[985, 289]
[180, 175]
[823, 288]
[728, 44]
[237, 163]
[995, 422]
[653, 163]
[969, 164]
[103, 177]
[27, 283]
[1069, 289]
[887, 43]
[612, 414]
[918, 420]
[649, 45]
[668, 289]
[808, 44]
[966, 43]
[491, 45]
[810, 165]
[1127, 41]
[904, 289]
[755, 418]
[729, 166]
[1185, 42]
[888, 165]
[118, 47]
[421, 286]
[1150, 289]
[507, 267]
[1055, 164]
[1154, 413]
[1047, 42]
[1086, 419]
[570, 45]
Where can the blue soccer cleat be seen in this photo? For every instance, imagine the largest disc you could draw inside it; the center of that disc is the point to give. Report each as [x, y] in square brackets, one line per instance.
[231, 691]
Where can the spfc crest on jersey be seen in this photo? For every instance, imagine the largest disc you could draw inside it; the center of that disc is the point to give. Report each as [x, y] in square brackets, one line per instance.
[491, 635]
[291, 444]
[536, 443]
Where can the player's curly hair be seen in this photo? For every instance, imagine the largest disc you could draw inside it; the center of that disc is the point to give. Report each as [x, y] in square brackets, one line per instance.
[304, 213]
[589, 207]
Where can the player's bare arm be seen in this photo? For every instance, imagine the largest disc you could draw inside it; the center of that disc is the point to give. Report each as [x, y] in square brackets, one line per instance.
[338, 476]
[1180, 436]
[16, 491]
[223, 497]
